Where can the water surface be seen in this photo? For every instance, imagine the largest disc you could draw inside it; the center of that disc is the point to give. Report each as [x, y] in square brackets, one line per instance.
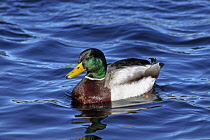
[40, 42]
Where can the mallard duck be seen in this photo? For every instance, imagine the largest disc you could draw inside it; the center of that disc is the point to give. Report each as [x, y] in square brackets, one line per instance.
[111, 82]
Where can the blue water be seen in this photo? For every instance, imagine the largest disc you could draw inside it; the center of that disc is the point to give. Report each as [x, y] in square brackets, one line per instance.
[40, 42]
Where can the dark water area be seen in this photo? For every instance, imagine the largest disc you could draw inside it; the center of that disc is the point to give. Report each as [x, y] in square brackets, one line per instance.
[40, 42]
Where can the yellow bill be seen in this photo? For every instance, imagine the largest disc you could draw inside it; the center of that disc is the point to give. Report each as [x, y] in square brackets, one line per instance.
[76, 71]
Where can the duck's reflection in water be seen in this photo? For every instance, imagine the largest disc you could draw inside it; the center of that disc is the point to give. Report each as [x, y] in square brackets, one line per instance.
[95, 113]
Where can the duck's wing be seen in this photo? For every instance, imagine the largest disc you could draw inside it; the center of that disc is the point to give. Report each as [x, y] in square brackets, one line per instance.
[131, 70]
[129, 62]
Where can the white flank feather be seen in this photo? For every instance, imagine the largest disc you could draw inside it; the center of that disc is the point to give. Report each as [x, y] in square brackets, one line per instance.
[133, 89]
[120, 76]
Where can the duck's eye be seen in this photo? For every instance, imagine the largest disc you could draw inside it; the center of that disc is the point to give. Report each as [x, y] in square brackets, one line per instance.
[78, 67]
[89, 58]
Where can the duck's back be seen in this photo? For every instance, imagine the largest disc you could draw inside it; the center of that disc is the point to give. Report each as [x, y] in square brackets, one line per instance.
[131, 77]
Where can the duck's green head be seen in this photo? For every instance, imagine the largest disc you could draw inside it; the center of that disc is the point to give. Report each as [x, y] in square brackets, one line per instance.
[91, 60]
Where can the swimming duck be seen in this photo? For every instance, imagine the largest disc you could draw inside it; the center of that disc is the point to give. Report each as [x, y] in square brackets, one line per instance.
[111, 82]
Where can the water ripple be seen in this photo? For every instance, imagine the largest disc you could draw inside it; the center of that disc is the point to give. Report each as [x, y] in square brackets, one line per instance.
[40, 42]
